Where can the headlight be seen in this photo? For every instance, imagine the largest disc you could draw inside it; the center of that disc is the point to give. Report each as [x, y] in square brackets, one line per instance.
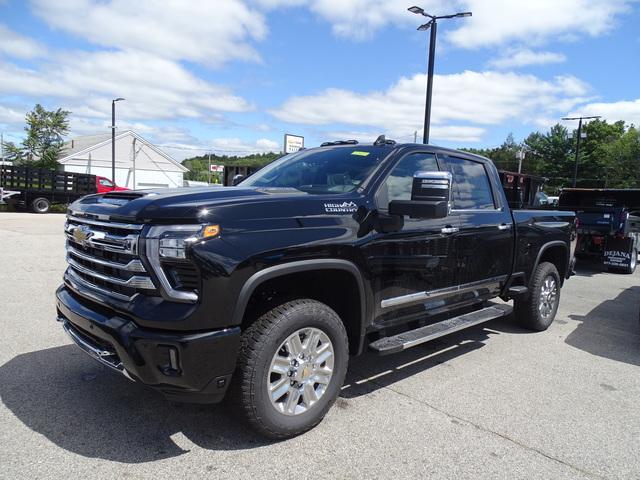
[170, 243]
[174, 239]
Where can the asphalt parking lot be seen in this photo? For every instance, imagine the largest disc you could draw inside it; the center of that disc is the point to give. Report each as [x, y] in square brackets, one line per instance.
[492, 402]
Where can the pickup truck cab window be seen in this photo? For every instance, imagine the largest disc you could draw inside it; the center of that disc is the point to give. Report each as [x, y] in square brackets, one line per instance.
[471, 188]
[397, 185]
[320, 171]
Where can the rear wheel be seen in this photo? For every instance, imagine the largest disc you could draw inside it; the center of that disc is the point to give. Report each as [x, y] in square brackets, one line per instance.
[633, 263]
[538, 310]
[40, 205]
[291, 367]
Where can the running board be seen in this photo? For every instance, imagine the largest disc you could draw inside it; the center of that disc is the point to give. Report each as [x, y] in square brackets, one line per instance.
[409, 339]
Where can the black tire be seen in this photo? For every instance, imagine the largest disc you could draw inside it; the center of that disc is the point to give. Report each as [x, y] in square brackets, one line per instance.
[260, 342]
[632, 265]
[634, 262]
[40, 205]
[528, 311]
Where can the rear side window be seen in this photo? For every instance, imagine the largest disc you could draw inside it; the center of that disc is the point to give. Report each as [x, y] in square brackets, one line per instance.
[471, 189]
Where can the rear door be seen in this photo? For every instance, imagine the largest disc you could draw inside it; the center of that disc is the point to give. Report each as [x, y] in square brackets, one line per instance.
[485, 241]
[420, 258]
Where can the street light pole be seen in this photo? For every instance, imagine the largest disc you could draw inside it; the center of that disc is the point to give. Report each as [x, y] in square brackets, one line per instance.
[575, 168]
[432, 59]
[433, 24]
[113, 139]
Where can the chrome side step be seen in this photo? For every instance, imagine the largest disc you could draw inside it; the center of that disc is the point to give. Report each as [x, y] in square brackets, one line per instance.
[404, 340]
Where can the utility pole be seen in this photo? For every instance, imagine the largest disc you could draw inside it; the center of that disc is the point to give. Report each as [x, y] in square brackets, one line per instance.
[520, 156]
[2, 148]
[415, 136]
[134, 163]
[433, 24]
[209, 174]
[575, 168]
[113, 139]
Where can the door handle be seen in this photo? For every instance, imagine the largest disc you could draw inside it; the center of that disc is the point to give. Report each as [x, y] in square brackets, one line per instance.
[504, 226]
[449, 229]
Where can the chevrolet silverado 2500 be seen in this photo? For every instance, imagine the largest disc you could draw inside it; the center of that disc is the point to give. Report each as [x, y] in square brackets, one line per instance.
[265, 289]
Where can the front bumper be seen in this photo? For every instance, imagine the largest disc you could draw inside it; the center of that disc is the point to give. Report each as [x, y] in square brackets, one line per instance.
[191, 367]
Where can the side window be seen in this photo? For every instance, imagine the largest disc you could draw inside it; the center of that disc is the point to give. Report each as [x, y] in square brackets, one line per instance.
[398, 184]
[471, 189]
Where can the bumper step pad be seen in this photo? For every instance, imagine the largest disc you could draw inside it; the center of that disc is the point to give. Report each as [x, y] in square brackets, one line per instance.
[404, 340]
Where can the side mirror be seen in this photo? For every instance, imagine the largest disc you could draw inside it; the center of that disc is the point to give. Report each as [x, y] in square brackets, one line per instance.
[237, 179]
[430, 196]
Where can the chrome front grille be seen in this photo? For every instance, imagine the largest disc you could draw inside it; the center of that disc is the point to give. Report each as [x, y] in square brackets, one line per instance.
[103, 256]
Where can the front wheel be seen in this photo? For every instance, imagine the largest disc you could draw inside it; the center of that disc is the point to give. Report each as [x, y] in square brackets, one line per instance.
[291, 366]
[538, 310]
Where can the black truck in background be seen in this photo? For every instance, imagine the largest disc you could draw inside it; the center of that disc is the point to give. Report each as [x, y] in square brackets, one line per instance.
[608, 225]
[266, 288]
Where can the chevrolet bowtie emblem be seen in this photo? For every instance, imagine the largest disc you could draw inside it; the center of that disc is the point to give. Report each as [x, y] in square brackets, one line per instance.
[82, 235]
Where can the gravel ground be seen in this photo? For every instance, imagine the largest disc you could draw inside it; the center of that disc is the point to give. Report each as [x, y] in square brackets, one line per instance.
[491, 402]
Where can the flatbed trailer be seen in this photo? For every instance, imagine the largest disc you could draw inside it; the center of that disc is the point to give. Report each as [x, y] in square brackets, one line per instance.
[608, 225]
[39, 188]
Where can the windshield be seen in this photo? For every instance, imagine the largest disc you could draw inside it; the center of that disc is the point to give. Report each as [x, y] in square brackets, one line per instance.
[323, 170]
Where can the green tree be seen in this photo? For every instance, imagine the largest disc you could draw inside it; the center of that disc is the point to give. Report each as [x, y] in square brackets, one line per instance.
[549, 155]
[199, 166]
[43, 144]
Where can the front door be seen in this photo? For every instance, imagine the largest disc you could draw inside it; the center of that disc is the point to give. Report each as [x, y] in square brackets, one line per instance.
[407, 265]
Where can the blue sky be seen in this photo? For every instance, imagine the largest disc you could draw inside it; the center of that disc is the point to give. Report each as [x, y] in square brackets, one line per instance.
[232, 76]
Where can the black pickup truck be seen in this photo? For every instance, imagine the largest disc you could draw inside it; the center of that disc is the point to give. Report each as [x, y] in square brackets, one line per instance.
[608, 225]
[266, 288]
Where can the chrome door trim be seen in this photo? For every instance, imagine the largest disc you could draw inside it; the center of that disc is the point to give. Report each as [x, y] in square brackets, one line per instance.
[441, 292]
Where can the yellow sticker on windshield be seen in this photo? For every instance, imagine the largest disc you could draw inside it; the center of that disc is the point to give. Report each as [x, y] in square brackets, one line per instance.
[360, 153]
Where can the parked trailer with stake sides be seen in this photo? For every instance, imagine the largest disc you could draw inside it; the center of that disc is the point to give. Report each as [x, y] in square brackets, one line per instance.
[39, 188]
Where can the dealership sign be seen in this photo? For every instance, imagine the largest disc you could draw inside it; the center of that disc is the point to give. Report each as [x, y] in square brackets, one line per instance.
[293, 143]
[216, 168]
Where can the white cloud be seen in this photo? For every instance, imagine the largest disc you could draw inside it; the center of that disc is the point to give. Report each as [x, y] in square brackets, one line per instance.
[524, 57]
[10, 117]
[627, 110]
[358, 19]
[19, 46]
[155, 88]
[497, 22]
[220, 146]
[494, 22]
[463, 104]
[207, 32]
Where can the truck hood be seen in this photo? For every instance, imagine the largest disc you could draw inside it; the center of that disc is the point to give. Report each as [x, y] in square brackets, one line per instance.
[189, 205]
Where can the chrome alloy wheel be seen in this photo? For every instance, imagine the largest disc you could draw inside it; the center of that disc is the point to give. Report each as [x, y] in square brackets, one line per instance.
[300, 371]
[548, 296]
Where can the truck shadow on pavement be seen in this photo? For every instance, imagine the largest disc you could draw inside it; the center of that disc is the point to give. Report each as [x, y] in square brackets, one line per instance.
[589, 267]
[611, 329]
[371, 372]
[89, 410]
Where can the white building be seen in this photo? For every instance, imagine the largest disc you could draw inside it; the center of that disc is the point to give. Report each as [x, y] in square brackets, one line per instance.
[139, 163]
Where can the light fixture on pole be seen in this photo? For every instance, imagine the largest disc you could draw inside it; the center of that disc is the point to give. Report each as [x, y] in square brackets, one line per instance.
[113, 138]
[575, 168]
[433, 25]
